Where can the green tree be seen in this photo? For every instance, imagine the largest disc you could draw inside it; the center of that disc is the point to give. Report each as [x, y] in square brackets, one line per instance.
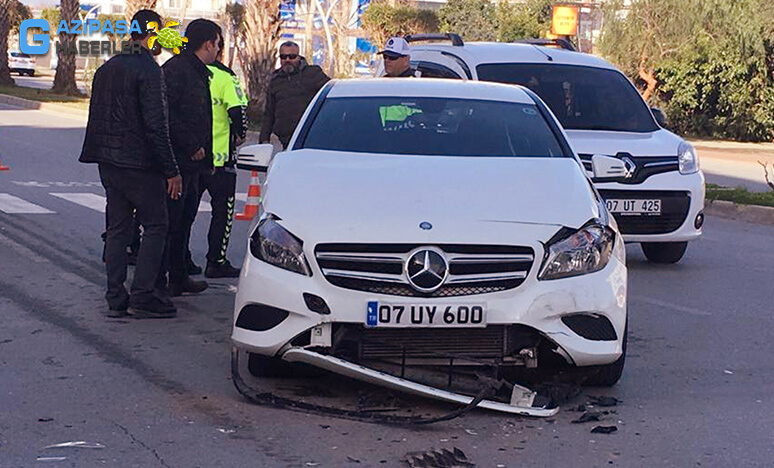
[474, 20]
[385, 19]
[529, 19]
[709, 66]
[18, 12]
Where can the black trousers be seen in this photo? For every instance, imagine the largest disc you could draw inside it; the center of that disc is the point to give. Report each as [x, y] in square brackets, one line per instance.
[131, 193]
[221, 184]
[182, 213]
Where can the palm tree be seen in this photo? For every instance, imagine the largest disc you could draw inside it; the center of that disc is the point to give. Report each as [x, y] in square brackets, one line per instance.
[261, 35]
[64, 80]
[5, 29]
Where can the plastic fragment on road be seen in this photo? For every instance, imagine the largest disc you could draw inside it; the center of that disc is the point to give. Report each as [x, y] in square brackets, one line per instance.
[51, 459]
[604, 429]
[226, 431]
[77, 444]
[438, 459]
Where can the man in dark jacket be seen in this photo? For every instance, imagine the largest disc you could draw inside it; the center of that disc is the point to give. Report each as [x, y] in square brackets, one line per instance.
[128, 136]
[190, 128]
[292, 88]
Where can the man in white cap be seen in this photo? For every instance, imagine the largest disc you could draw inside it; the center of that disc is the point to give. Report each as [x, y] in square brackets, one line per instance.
[397, 58]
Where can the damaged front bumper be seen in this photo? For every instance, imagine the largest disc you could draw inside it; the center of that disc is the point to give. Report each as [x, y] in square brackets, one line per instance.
[521, 403]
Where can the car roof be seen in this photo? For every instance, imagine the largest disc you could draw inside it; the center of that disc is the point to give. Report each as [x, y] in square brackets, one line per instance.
[476, 53]
[429, 87]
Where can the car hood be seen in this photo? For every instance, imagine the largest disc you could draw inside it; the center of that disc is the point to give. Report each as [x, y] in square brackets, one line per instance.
[326, 196]
[658, 143]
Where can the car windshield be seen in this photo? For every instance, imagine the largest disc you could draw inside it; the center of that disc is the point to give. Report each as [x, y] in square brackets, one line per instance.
[432, 126]
[582, 98]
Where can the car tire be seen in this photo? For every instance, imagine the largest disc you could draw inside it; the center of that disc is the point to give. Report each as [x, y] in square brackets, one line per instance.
[664, 252]
[268, 366]
[31, 73]
[607, 375]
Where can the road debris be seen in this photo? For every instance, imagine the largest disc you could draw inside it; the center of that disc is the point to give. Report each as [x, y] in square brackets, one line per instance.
[226, 431]
[589, 416]
[352, 460]
[603, 401]
[77, 444]
[728, 372]
[438, 459]
[45, 419]
[51, 459]
[604, 429]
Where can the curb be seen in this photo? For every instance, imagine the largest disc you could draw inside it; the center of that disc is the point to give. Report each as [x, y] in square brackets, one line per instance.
[38, 105]
[749, 213]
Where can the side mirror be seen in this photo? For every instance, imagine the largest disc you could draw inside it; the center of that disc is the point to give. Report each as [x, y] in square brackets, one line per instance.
[660, 116]
[608, 168]
[255, 157]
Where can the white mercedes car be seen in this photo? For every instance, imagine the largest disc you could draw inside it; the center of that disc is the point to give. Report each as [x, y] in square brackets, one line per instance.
[421, 223]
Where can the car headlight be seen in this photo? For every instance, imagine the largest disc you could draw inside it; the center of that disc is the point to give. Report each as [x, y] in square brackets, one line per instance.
[687, 158]
[585, 251]
[273, 244]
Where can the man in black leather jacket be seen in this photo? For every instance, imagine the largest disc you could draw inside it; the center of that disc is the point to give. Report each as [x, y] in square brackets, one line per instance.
[128, 136]
[190, 128]
[291, 89]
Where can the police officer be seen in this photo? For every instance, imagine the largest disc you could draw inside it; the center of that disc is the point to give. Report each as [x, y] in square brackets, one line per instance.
[229, 129]
[397, 59]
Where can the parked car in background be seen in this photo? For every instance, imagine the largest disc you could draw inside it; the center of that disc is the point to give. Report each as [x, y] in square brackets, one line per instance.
[658, 200]
[21, 63]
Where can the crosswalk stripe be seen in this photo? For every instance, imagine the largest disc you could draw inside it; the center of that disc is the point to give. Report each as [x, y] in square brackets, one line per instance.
[14, 205]
[89, 200]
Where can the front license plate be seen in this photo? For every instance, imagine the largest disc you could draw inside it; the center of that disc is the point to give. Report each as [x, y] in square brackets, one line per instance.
[635, 207]
[381, 314]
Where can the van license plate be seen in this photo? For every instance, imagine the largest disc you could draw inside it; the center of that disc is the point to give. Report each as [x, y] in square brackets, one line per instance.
[626, 207]
[380, 314]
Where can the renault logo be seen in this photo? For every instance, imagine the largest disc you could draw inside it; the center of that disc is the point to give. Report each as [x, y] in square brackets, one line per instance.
[426, 269]
[630, 167]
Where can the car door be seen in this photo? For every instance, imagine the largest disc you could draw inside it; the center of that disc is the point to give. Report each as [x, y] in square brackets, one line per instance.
[439, 64]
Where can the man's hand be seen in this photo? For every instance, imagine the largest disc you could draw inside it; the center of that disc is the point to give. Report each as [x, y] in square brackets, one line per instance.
[199, 155]
[175, 187]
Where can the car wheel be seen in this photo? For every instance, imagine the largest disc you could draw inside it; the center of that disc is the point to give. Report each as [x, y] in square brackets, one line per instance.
[268, 366]
[608, 374]
[31, 73]
[664, 252]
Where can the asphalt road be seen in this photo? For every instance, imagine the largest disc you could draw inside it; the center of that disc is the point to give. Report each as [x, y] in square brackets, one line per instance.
[697, 389]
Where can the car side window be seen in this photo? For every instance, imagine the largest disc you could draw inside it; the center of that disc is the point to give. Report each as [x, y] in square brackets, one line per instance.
[434, 70]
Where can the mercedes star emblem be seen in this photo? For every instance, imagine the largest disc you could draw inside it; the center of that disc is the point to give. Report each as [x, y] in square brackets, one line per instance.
[426, 269]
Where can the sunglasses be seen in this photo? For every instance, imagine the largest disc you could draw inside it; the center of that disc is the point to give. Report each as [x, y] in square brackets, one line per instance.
[392, 57]
[288, 56]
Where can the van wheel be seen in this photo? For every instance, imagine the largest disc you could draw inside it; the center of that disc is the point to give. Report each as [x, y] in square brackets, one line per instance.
[607, 375]
[664, 252]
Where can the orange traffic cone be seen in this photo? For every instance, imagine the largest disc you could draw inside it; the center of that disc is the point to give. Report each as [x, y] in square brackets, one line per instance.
[4, 168]
[253, 199]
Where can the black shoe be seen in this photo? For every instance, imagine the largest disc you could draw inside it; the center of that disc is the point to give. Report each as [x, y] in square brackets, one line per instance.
[116, 313]
[188, 286]
[153, 308]
[221, 270]
[193, 269]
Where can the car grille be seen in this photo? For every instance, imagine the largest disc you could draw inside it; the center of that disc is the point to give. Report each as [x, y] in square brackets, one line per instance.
[379, 269]
[489, 342]
[646, 166]
[674, 209]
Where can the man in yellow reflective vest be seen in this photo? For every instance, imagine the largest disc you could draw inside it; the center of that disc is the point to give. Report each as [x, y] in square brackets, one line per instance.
[229, 129]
